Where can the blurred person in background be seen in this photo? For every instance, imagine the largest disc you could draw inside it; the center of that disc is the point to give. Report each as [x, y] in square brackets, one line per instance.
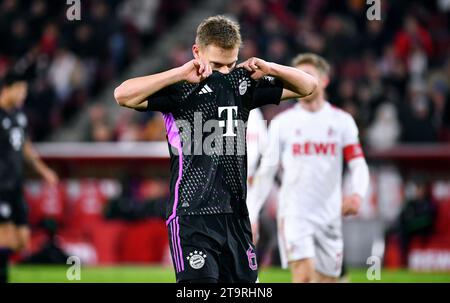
[15, 147]
[385, 129]
[417, 217]
[311, 140]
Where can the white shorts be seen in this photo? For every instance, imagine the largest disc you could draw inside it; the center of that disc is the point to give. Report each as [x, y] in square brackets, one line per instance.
[301, 239]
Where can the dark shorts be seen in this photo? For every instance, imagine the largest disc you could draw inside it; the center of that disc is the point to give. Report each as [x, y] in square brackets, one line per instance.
[13, 208]
[213, 247]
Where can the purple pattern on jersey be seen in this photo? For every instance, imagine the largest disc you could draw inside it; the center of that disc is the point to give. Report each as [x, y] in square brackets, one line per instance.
[173, 135]
[174, 139]
[176, 245]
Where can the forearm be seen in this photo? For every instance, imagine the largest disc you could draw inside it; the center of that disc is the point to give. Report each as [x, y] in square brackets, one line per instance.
[33, 159]
[359, 176]
[260, 190]
[134, 92]
[295, 80]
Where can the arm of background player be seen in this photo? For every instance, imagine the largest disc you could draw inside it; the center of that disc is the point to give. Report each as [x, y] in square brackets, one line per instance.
[133, 93]
[359, 171]
[359, 176]
[264, 176]
[256, 141]
[32, 157]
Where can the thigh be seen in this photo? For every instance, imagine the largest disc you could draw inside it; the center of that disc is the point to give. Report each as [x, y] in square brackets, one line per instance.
[7, 228]
[195, 248]
[329, 251]
[20, 210]
[303, 271]
[298, 235]
[8, 235]
[23, 237]
[13, 207]
[6, 207]
[238, 259]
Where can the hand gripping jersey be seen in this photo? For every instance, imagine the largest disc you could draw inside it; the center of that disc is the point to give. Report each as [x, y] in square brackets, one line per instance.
[205, 126]
[12, 138]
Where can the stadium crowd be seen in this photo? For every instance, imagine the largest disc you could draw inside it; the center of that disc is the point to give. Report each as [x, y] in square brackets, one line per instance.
[391, 75]
[69, 62]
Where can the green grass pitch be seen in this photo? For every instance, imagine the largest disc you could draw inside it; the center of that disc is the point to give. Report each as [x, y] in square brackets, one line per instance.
[155, 274]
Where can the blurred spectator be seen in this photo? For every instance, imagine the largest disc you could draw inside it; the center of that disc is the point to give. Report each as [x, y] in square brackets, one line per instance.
[77, 59]
[399, 63]
[417, 216]
[385, 129]
[98, 128]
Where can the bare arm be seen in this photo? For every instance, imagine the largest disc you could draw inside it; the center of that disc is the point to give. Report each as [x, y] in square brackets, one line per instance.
[296, 82]
[360, 178]
[33, 159]
[133, 93]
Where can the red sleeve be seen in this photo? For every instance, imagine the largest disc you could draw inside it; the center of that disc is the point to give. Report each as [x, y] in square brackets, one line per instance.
[353, 151]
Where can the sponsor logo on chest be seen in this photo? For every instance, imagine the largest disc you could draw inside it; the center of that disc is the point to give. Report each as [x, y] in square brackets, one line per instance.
[310, 148]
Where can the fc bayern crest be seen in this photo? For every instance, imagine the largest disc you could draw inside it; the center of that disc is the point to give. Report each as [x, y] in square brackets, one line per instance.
[243, 87]
[196, 259]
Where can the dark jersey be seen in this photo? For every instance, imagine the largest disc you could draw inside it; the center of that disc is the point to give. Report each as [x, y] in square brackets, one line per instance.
[12, 138]
[206, 130]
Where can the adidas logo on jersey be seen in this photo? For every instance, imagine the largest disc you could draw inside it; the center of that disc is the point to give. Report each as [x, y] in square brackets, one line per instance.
[205, 90]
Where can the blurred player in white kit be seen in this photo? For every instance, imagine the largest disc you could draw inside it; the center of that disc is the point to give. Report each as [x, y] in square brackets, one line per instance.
[256, 142]
[311, 140]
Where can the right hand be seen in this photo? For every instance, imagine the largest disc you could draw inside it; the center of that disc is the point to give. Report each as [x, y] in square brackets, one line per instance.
[351, 205]
[196, 71]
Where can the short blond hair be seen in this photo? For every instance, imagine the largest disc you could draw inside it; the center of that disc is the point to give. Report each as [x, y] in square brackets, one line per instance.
[317, 61]
[220, 31]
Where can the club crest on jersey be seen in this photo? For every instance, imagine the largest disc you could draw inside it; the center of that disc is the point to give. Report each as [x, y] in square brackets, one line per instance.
[6, 123]
[243, 87]
[196, 259]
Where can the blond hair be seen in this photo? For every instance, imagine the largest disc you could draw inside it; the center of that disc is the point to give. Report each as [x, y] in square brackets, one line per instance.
[315, 60]
[219, 31]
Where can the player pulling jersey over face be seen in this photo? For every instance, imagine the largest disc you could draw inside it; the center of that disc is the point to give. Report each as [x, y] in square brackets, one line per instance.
[209, 170]
[211, 146]
[205, 104]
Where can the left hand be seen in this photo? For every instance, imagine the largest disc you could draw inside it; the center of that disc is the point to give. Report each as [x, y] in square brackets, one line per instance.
[50, 176]
[351, 205]
[258, 67]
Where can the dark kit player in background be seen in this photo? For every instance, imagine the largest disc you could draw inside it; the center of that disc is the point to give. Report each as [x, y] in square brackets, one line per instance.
[15, 147]
[207, 217]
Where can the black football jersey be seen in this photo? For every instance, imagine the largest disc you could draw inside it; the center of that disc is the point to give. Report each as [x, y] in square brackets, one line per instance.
[206, 132]
[12, 137]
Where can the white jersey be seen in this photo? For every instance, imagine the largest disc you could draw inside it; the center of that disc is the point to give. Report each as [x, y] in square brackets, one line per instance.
[256, 139]
[311, 147]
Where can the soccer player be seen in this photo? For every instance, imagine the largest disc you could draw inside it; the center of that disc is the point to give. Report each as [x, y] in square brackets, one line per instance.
[312, 140]
[15, 147]
[256, 140]
[205, 104]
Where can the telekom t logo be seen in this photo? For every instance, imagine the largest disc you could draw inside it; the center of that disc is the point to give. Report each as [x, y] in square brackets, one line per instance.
[230, 122]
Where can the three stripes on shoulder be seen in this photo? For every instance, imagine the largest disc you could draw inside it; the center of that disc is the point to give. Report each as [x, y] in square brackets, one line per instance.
[205, 90]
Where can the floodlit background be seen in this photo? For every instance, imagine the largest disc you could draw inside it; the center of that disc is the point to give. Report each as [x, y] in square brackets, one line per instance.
[392, 76]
